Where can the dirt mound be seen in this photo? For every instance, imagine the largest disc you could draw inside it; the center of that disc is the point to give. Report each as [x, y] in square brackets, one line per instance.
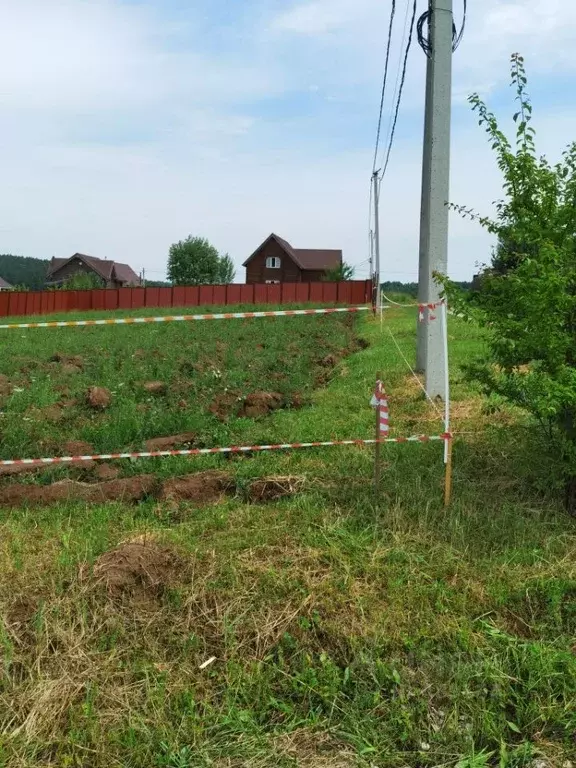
[274, 488]
[98, 398]
[136, 569]
[155, 387]
[261, 404]
[75, 361]
[201, 487]
[225, 405]
[170, 442]
[106, 471]
[129, 489]
[77, 448]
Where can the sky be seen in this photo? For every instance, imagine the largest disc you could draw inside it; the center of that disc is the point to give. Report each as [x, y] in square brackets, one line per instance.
[126, 125]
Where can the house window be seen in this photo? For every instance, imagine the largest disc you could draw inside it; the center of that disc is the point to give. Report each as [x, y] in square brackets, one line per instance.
[272, 282]
[273, 262]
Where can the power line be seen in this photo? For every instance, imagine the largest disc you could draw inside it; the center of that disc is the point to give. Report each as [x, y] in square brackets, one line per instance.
[384, 79]
[424, 39]
[402, 81]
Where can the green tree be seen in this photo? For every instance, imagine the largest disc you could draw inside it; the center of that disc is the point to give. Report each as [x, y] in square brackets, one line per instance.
[24, 271]
[82, 281]
[193, 261]
[527, 296]
[342, 272]
[227, 271]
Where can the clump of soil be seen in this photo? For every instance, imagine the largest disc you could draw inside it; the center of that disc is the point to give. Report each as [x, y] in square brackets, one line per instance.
[106, 471]
[129, 489]
[274, 488]
[224, 405]
[360, 343]
[155, 387]
[170, 442]
[201, 487]
[261, 404]
[99, 398]
[77, 448]
[136, 569]
[75, 362]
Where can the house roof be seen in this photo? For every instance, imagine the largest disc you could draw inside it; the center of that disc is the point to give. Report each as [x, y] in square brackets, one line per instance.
[5, 285]
[305, 258]
[107, 269]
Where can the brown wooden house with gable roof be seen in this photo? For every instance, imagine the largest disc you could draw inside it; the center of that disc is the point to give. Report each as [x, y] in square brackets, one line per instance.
[112, 273]
[276, 261]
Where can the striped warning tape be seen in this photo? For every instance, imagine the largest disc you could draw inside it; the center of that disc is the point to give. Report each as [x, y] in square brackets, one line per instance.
[181, 318]
[209, 451]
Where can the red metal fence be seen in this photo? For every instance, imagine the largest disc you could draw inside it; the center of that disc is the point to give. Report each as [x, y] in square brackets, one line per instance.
[47, 302]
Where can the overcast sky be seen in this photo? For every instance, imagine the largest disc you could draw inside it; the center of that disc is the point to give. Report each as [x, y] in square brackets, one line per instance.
[128, 124]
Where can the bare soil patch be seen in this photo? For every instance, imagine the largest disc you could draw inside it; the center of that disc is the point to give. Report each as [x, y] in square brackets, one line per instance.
[261, 404]
[137, 569]
[170, 441]
[75, 361]
[155, 387]
[129, 489]
[77, 448]
[201, 487]
[99, 398]
[106, 471]
[225, 405]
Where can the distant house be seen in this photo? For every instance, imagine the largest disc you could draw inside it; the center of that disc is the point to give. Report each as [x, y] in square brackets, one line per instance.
[4, 286]
[112, 273]
[276, 261]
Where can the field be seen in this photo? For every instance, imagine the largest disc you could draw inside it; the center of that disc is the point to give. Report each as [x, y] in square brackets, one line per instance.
[340, 629]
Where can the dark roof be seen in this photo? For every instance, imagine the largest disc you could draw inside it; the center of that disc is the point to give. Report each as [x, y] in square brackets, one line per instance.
[305, 258]
[4, 285]
[313, 258]
[107, 269]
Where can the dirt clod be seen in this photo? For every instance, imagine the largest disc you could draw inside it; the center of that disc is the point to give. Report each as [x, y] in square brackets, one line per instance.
[106, 471]
[129, 489]
[69, 369]
[224, 405]
[274, 488]
[170, 442]
[155, 387]
[201, 487]
[261, 404]
[136, 569]
[77, 448]
[99, 398]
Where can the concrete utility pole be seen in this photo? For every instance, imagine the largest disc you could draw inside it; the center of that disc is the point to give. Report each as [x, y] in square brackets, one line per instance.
[376, 192]
[435, 191]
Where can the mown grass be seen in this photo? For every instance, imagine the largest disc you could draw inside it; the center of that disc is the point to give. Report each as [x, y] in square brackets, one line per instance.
[347, 630]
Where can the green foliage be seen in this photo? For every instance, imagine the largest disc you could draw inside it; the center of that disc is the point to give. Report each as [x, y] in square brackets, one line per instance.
[24, 271]
[227, 271]
[343, 272]
[82, 281]
[195, 261]
[527, 297]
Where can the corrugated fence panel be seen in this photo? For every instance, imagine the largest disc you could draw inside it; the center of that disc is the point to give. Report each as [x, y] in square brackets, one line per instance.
[206, 295]
[247, 294]
[233, 294]
[219, 295]
[47, 302]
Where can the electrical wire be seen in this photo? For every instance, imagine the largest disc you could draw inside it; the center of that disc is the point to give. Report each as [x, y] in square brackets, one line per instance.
[424, 39]
[400, 90]
[384, 80]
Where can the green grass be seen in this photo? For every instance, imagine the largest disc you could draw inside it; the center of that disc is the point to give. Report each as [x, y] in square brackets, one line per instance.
[346, 632]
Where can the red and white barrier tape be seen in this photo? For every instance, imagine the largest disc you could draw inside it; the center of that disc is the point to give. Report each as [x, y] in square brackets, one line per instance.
[210, 451]
[181, 318]
[380, 401]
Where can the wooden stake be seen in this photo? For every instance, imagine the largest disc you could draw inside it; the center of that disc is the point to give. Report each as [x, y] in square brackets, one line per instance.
[448, 473]
[377, 446]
